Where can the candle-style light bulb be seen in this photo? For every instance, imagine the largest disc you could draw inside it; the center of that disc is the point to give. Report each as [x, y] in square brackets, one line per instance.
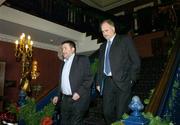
[26, 47]
[31, 43]
[22, 36]
[16, 42]
[30, 46]
[22, 41]
[29, 37]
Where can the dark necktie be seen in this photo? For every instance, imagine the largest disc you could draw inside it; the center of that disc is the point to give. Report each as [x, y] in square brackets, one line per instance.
[107, 62]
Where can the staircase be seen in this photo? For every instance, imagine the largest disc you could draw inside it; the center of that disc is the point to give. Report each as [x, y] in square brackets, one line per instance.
[85, 44]
[170, 104]
[151, 70]
[150, 74]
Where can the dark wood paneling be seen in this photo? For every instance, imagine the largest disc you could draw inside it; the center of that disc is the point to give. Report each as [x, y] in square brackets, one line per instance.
[48, 65]
[129, 6]
[2, 78]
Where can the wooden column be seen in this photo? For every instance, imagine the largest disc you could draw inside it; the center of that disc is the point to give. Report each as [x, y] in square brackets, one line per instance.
[2, 79]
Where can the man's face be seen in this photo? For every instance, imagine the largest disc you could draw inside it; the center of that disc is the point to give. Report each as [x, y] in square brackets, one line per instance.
[108, 31]
[67, 50]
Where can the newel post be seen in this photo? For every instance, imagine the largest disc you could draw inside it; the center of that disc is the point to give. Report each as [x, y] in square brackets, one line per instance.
[136, 118]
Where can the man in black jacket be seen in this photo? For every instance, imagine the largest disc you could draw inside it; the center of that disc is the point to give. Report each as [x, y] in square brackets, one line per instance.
[75, 83]
[119, 65]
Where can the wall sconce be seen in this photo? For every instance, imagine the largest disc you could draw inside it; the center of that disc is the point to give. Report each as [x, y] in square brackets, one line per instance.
[34, 71]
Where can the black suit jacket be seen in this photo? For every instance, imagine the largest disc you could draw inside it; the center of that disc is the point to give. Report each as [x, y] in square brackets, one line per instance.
[124, 61]
[80, 79]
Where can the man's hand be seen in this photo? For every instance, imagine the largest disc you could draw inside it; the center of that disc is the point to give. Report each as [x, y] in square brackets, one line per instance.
[55, 100]
[76, 96]
[98, 88]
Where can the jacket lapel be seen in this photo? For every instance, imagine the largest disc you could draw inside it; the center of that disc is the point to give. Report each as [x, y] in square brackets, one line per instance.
[73, 68]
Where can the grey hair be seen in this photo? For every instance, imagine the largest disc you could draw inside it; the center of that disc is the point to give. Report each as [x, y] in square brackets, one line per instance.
[109, 21]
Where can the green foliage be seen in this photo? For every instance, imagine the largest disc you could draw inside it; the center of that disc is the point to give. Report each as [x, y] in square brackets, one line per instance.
[13, 109]
[29, 114]
[146, 101]
[154, 120]
[118, 123]
[47, 110]
[172, 98]
[94, 66]
[125, 116]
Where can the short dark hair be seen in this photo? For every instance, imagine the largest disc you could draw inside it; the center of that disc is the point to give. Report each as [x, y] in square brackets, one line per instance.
[71, 43]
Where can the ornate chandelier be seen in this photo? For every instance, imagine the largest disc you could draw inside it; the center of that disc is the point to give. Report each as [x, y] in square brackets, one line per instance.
[23, 54]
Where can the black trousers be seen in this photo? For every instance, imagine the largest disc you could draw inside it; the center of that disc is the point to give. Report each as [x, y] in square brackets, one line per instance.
[70, 114]
[115, 101]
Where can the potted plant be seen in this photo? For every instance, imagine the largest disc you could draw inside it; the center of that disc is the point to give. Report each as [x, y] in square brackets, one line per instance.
[27, 114]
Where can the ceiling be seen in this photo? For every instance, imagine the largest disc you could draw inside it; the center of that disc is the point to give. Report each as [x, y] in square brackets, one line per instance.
[115, 7]
[106, 5]
[14, 29]
[119, 7]
[38, 35]
[45, 34]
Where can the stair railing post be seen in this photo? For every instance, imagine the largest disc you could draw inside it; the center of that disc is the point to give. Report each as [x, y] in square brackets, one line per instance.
[136, 118]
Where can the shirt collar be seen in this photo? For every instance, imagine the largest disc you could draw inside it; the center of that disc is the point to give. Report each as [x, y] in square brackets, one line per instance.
[112, 38]
[70, 58]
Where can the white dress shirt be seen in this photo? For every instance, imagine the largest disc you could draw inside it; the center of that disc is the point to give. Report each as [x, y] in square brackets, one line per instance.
[65, 83]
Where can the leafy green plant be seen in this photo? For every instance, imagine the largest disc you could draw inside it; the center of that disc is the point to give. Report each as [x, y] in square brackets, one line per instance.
[29, 114]
[118, 123]
[154, 120]
[94, 66]
[147, 100]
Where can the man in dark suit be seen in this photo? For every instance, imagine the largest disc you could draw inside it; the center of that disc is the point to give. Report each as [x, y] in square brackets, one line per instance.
[74, 86]
[119, 65]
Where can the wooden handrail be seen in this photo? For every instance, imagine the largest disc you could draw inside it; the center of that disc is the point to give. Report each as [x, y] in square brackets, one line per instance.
[162, 85]
[44, 93]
